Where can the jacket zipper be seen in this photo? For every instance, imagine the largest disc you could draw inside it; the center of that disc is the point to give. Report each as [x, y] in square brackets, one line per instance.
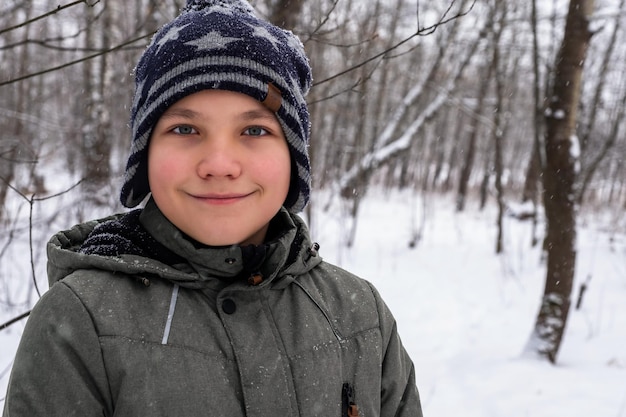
[330, 323]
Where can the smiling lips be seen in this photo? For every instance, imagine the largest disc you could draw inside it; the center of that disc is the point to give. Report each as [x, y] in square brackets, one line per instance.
[221, 199]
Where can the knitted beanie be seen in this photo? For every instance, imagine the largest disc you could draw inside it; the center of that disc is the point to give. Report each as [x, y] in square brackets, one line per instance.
[221, 44]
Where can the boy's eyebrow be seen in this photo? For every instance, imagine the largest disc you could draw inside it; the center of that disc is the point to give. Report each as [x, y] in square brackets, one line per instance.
[258, 114]
[181, 112]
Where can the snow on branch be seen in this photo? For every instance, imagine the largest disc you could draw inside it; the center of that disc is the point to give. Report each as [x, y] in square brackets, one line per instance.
[386, 135]
[382, 155]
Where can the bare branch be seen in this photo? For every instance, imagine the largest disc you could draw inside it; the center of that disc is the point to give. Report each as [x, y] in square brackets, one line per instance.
[78, 61]
[50, 13]
[31, 202]
[14, 320]
[420, 32]
[322, 22]
[67, 190]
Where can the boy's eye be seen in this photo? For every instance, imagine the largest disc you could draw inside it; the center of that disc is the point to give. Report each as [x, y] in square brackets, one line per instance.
[184, 130]
[255, 131]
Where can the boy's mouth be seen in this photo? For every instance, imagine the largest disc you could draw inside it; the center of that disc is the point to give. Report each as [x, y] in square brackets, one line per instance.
[221, 199]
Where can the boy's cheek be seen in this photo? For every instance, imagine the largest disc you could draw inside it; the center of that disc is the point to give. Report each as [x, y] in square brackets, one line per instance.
[162, 170]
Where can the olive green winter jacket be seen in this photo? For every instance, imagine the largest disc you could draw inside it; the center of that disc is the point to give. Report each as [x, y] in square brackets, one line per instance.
[131, 336]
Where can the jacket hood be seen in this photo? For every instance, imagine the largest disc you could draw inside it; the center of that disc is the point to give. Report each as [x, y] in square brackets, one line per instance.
[289, 254]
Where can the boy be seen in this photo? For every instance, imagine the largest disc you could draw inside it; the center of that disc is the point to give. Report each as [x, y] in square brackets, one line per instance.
[211, 300]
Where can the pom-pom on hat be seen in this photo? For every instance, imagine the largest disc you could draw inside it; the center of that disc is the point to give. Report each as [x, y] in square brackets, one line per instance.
[221, 44]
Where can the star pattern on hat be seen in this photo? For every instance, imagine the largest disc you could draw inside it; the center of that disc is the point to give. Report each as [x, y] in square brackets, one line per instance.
[262, 32]
[171, 35]
[212, 40]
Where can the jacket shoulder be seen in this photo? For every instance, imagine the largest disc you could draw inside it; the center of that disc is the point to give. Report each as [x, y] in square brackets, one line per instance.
[119, 304]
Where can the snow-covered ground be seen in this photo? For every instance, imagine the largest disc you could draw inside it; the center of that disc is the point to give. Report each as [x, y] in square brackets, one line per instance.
[465, 313]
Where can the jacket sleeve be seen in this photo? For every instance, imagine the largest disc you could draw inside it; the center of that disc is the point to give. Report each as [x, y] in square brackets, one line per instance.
[399, 394]
[58, 369]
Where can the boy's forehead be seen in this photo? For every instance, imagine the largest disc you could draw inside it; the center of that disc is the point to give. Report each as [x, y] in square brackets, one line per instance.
[203, 102]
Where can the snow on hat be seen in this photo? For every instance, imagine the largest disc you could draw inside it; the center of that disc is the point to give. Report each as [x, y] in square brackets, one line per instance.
[221, 44]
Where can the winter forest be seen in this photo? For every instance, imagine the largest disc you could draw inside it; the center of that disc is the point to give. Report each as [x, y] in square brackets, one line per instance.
[505, 111]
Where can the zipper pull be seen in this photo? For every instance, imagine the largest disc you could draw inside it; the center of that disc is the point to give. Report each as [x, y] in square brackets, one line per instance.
[348, 406]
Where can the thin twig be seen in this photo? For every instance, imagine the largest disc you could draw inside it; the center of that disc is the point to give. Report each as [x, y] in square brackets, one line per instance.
[14, 320]
[420, 32]
[50, 13]
[31, 203]
[78, 61]
[67, 190]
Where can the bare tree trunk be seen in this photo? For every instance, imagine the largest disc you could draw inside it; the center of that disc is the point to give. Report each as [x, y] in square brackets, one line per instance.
[559, 179]
[503, 76]
[13, 149]
[363, 137]
[470, 151]
[96, 145]
[604, 144]
[484, 184]
[535, 164]
[444, 163]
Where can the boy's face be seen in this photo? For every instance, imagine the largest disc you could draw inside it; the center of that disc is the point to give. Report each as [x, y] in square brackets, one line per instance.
[219, 167]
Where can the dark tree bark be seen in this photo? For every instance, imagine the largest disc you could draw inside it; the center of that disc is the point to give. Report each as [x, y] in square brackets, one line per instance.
[559, 179]
[470, 151]
[535, 165]
[96, 142]
[498, 139]
[13, 149]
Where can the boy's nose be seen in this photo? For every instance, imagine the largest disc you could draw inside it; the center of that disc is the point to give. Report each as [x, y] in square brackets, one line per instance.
[219, 159]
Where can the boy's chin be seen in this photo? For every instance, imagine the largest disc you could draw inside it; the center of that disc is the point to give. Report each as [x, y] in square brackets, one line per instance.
[234, 238]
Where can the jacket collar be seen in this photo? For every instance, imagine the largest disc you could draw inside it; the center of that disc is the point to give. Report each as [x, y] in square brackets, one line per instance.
[287, 255]
[223, 262]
